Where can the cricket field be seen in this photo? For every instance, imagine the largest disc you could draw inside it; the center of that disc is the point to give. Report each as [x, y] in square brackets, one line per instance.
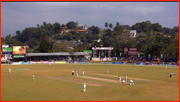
[56, 83]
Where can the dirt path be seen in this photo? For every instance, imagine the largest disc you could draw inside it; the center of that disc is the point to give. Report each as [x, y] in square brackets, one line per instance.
[117, 76]
[57, 78]
[101, 79]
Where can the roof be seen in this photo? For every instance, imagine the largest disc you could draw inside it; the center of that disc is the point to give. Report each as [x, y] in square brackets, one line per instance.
[55, 54]
[80, 30]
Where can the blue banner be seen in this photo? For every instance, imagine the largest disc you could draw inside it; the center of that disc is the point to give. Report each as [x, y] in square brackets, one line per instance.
[83, 62]
[26, 63]
[117, 62]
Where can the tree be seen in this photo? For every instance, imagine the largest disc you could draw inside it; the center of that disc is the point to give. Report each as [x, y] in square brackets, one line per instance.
[95, 30]
[2, 40]
[44, 46]
[71, 25]
[57, 27]
[110, 25]
[33, 42]
[7, 38]
[117, 24]
[106, 24]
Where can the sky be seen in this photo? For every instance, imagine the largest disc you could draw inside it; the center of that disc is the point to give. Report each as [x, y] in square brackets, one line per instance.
[20, 15]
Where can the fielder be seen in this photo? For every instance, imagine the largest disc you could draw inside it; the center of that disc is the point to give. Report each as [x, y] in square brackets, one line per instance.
[131, 82]
[33, 77]
[83, 73]
[119, 78]
[10, 70]
[76, 73]
[125, 77]
[72, 72]
[49, 64]
[166, 67]
[84, 87]
[107, 71]
[170, 75]
[123, 81]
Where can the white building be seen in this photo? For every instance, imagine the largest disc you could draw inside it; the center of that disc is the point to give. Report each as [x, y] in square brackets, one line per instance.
[133, 33]
[84, 27]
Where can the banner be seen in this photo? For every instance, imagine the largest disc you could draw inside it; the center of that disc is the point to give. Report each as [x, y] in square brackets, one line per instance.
[60, 62]
[26, 63]
[18, 56]
[19, 50]
[87, 51]
[149, 55]
[9, 49]
[5, 46]
[132, 51]
[120, 54]
[161, 56]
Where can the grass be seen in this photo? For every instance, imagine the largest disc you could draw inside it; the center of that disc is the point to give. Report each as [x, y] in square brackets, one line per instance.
[18, 86]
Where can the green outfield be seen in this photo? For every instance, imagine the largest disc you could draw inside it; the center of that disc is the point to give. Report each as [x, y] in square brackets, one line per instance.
[55, 83]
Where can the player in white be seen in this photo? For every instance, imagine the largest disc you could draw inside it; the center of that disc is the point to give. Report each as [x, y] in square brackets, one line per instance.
[107, 71]
[131, 82]
[76, 73]
[10, 70]
[166, 66]
[119, 78]
[72, 72]
[123, 81]
[33, 77]
[125, 77]
[49, 64]
[84, 89]
[83, 73]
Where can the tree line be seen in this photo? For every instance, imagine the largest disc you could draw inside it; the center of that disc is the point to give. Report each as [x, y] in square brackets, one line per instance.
[153, 42]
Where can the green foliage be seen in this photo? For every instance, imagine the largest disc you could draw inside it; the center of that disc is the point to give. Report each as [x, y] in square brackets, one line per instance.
[71, 25]
[44, 46]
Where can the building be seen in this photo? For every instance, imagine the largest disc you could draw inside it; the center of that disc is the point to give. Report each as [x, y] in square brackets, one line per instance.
[140, 34]
[83, 27]
[75, 43]
[133, 33]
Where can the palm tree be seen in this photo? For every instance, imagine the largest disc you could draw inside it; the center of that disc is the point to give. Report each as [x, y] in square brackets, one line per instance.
[106, 24]
[117, 24]
[110, 25]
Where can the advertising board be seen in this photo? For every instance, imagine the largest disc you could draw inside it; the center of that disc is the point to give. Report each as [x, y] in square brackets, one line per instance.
[19, 50]
[131, 51]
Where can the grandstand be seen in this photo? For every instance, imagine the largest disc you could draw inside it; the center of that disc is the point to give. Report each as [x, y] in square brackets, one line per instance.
[61, 56]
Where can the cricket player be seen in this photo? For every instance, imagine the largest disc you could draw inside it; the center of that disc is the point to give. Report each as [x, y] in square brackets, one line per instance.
[33, 77]
[170, 75]
[84, 87]
[125, 77]
[131, 82]
[72, 72]
[119, 78]
[83, 73]
[166, 66]
[10, 70]
[123, 81]
[107, 71]
[76, 73]
[49, 64]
